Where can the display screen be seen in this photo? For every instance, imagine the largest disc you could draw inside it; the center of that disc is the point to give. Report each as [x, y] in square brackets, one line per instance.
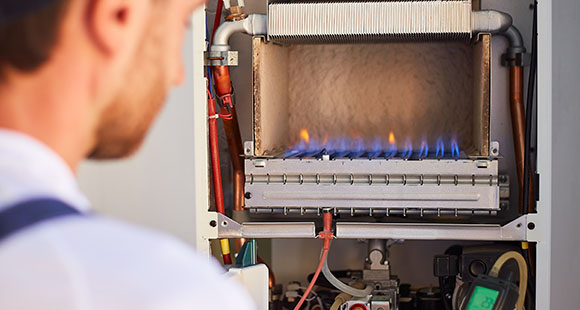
[483, 298]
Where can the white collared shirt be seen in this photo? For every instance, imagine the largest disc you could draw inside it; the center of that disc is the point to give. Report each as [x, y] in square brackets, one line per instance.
[92, 262]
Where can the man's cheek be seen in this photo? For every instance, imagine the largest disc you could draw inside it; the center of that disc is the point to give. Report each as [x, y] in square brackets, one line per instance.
[179, 76]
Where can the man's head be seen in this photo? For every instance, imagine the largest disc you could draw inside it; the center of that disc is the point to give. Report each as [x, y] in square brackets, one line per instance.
[111, 62]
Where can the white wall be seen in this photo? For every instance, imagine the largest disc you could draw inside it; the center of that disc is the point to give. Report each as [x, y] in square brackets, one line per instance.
[156, 187]
[565, 276]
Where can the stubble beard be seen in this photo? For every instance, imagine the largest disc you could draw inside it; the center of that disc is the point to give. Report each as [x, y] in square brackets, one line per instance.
[124, 124]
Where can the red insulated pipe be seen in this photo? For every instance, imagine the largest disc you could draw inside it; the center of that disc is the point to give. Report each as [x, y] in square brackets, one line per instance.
[216, 171]
[222, 81]
[215, 157]
[218, 17]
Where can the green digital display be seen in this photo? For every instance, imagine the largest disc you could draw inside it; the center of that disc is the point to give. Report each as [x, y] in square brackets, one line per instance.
[483, 298]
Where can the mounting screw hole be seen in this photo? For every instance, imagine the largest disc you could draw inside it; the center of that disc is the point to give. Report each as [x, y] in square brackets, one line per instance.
[494, 151]
[531, 226]
[519, 225]
[248, 195]
[224, 223]
[212, 223]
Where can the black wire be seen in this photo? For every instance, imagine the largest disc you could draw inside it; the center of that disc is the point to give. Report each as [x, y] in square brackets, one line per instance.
[529, 110]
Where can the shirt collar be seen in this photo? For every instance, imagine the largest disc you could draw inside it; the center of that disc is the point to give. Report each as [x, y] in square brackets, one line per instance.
[29, 169]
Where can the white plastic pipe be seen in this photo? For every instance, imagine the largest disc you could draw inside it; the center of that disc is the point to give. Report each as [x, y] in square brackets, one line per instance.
[254, 24]
[342, 286]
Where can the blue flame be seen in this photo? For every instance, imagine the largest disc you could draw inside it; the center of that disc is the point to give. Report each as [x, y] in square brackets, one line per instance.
[424, 148]
[391, 150]
[440, 148]
[358, 147]
[378, 147]
[408, 150]
[454, 149]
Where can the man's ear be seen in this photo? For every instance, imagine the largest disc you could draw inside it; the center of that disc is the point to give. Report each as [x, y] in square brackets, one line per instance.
[115, 23]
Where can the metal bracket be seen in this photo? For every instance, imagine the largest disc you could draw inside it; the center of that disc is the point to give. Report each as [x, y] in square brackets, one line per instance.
[494, 149]
[517, 230]
[249, 148]
[228, 228]
[513, 231]
[221, 58]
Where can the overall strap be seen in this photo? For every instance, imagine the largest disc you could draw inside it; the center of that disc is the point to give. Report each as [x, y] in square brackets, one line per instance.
[27, 214]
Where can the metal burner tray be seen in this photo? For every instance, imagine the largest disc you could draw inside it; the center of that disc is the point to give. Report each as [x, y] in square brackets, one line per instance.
[373, 186]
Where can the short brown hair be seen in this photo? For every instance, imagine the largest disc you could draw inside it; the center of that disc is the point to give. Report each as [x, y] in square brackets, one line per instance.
[27, 42]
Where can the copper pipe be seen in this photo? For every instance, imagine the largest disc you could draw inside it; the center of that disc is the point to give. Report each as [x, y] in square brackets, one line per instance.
[236, 151]
[518, 123]
[519, 129]
[222, 81]
[223, 86]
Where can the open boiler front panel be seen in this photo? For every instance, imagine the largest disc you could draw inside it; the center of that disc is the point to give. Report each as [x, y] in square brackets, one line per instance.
[382, 118]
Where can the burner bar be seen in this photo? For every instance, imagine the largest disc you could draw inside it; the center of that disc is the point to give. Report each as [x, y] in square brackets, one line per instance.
[345, 183]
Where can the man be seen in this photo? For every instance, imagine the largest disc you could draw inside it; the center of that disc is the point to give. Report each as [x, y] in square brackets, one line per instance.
[85, 79]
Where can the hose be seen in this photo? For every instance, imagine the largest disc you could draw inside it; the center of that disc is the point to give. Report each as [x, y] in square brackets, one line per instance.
[217, 20]
[344, 297]
[216, 171]
[311, 285]
[341, 285]
[326, 234]
[523, 270]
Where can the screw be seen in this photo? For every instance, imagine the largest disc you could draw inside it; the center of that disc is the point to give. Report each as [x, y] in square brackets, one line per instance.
[212, 223]
[531, 226]
[248, 195]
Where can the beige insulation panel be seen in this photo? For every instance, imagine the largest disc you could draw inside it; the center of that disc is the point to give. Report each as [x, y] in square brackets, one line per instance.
[415, 89]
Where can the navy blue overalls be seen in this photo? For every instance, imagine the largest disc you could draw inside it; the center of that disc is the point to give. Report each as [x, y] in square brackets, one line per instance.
[24, 215]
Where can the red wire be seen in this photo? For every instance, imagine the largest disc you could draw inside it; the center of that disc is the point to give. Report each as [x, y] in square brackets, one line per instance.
[218, 17]
[213, 140]
[326, 234]
[313, 281]
[215, 157]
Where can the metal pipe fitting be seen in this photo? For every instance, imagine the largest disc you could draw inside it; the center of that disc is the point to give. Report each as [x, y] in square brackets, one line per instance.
[516, 42]
[254, 24]
[490, 21]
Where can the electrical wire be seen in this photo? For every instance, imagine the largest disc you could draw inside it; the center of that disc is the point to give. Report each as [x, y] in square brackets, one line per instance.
[523, 270]
[218, 17]
[312, 292]
[215, 161]
[326, 235]
[311, 285]
[528, 137]
[529, 109]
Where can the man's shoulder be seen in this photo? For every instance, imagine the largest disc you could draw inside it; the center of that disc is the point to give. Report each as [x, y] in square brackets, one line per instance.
[116, 261]
[116, 242]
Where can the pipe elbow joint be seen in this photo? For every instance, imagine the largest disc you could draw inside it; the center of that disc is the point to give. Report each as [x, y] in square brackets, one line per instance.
[254, 24]
[490, 21]
[516, 42]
